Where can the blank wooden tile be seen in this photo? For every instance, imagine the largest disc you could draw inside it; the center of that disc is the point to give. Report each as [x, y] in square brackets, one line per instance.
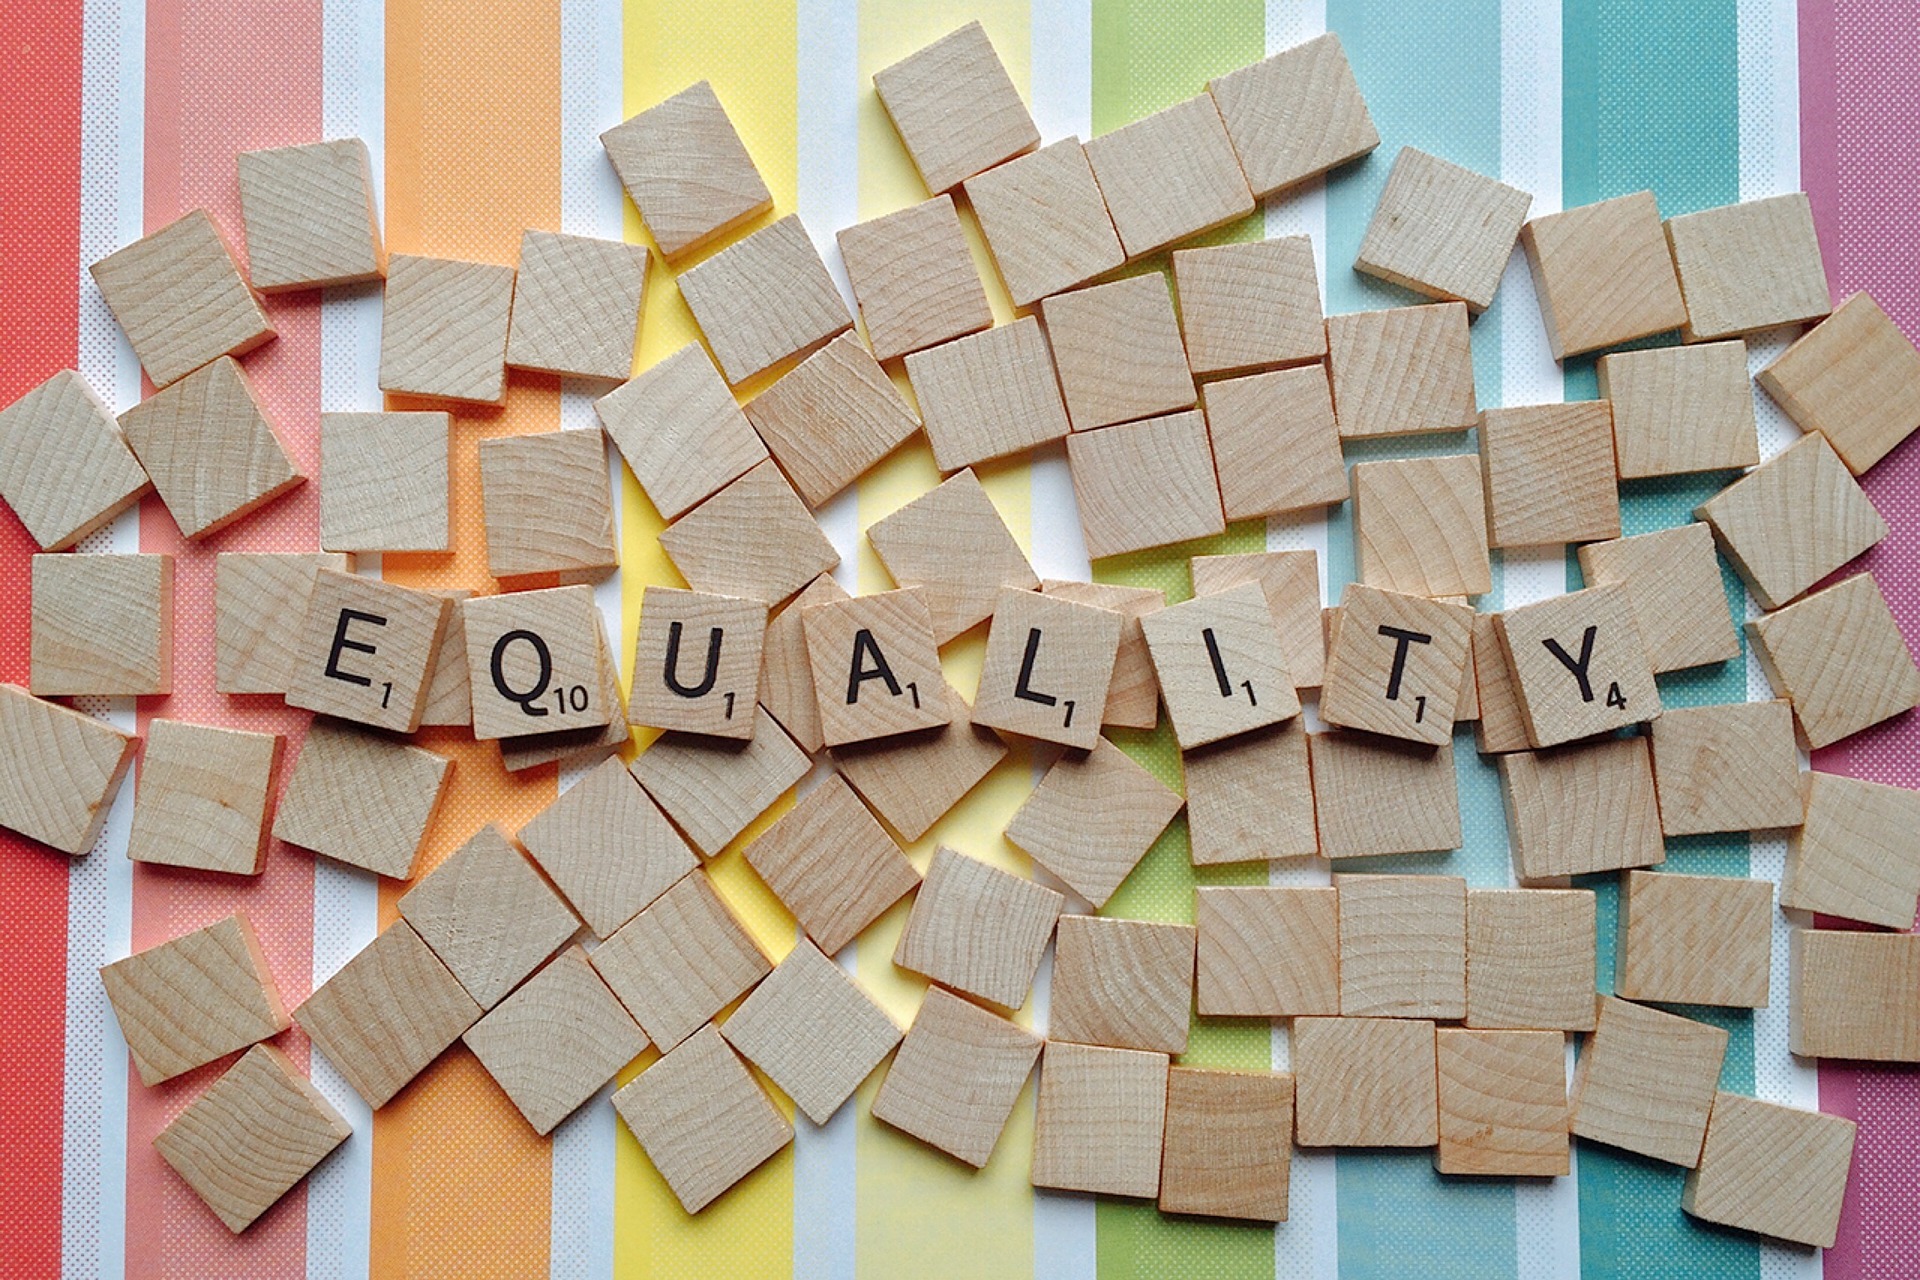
[569, 747]
[1275, 443]
[65, 469]
[383, 482]
[1855, 379]
[712, 788]
[361, 798]
[680, 961]
[1549, 474]
[387, 1014]
[764, 299]
[1420, 525]
[1267, 952]
[102, 624]
[366, 649]
[1395, 665]
[1503, 1103]
[576, 305]
[1775, 1170]
[205, 797]
[1378, 795]
[1118, 351]
[1852, 995]
[813, 1030]
[310, 217]
[702, 1119]
[255, 1133]
[199, 997]
[832, 864]
[1364, 1082]
[1839, 657]
[1579, 664]
[1092, 818]
[1749, 266]
[1126, 984]
[786, 677]
[988, 395]
[1646, 1082]
[449, 694]
[1133, 694]
[1680, 409]
[1250, 306]
[607, 847]
[680, 431]
[1229, 1144]
[1403, 946]
[1402, 371]
[697, 661]
[1099, 1120]
[59, 770]
[548, 506]
[1145, 484]
[1602, 274]
[1695, 939]
[753, 538]
[952, 544]
[443, 329]
[876, 668]
[1250, 798]
[978, 929]
[914, 278]
[1443, 231]
[1531, 959]
[1857, 853]
[488, 915]
[209, 448]
[1295, 115]
[912, 780]
[1045, 221]
[260, 606]
[1679, 599]
[1583, 808]
[1220, 666]
[957, 1076]
[1727, 768]
[1291, 581]
[683, 164]
[1503, 725]
[179, 296]
[1048, 668]
[955, 108]
[1466, 707]
[831, 418]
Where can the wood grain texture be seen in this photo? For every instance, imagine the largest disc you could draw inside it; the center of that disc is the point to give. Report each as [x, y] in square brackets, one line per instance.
[753, 538]
[1228, 1148]
[1852, 995]
[1503, 1103]
[1530, 959]
[101, 624]
[1118, 351]
[1250, 306]
[1092, 818]
[1378, 795]
[1291, 583]
[607, 847]
[711, 787]
[1727, 768]
[1402, 371]
[1145, 484]
[211, 452]
[1295, 115]
[1442, 231]
[764, 299]
[59, 771]
[1695, 940]
[1679, 599]
[1276, 446]
[1045, 221]
[952, 544]
[1773, 1170]
[1503, 724]
[199, 997]
[988, 395]
[1049, 664]
[575, 746]
[1099, 1120]
[366, 650]
[449, 692]
[876, 667]
[1549, 474]
[955, 108]
[680, 961]
[1267, 952]
[697, 662]
[831, 418]
[1580, 809]
[489, 916]
[680, 430]
[1403, 946]
[1396, 664]
[832, 864]
[576, 305]
[1646, 1080]
[913, 780]
[1126, 984]
[1220, 666]
[978, 929]
[65, 469]
[1749, 266]
[1420, 525]
[443, 329]
[1579, 664]
[786, 677]
[260, 606]
[1133, 694]
[383, 482]
[1602, 274]
[1678, 410]
[956, 1078]
[179, 296]
[1364, 1082]
[1855, 379]
[686, 170]
[914, 278]
[310, 216]
[361, 798]
[1839, 657]
[548, 506]
[1250, 798]
[206, 797]
[1856, 854]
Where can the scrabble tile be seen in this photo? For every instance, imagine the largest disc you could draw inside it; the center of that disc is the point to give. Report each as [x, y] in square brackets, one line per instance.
[951, 543]
[576, 305]
[712, 788]
[988, 395]
[310, 217]
[1855, 379]
[1267, 952]
[912, 780]
[1852, 995]
[914, 278]
[1364, 1082]
[1749, 266]
[1378, 795]
[443, 328]
[1092, 818]
[764, 299]
[1118, 351]
[1530, 959]
[1275, 444]
[1250, 306]
[607, 847]
[1792, 521]
[548, 506]
[554, 1042]
[209, 448]
[813, 1030]
[1145, 484]
[1549, 474]
[1680, 409]
[1695, 940]
[65, 469]
[876, 667]
[1579, 664]
[1856, 854]
[832, 864]
[383, 482]
[956, 1078]
[1250, 798]
[786, 677]
[1045, 221]
[387, 1014]
[361, 799]
[1602, 274]
[1099, 1121]
[179, 296]
[365, 650]
[831, 418]
[1291, 581]
[1503, 725]
[1133, 694]
[1840, 659]
[1228, 1148]
[1395, 665]
[1220, 666]
[1774, 1170]
[1442, 231]
[570, 747]
[1673, 582]
[260, 605]
[955, 108]
[1420, 525]
[205, 797]
[978, 929]
[1295, 115]
[1126, 984]
[1466, 707]
[1580, 809]
[683, 164]
[680, 431]
[680, 961]
[449, 692]
[1503, 1103]
[489, 916]
[1646, 1082]
[1403, 946]
[696, 663]
[1402, 371]
[1048, 666]
[1727, 768]
[702, 1119]
[59, 770]
[753, 538]
[203, 995]
[102, 624]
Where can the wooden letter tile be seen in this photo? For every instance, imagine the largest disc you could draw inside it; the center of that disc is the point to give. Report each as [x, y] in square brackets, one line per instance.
[1680, 409]
[443, 331]
[1275, 443]
[914, 278]
[65, 469]
[1402, 371]
[831, 418]
[310, 216]
[1695, 940]
[912, 780]
[1092, 818]
[1503, 1103]
[978, 929]
[366, 650]
[205, 796]
[711, 787]
[1531, 959]
[813, 1030]
[1250, 306]
[764, 299]
[832, 864]
[102, 624]
[1580, 809]
[1378, 795]
[199, 997]
[361, 798]
[1549, 474]
[1045, 222]
[876, 668]
[952, 544]
[548, 506]
[1778, 1171]
[1126, 984]
[957, 1076]
[260, 605]
[1839, 657]
[489, 916]
[1857, 854]
[1291, 581]
[576, 305]
[1118, 351]
[1133, 695]
[1220, 666]
[683, 164]
[1267, 952]
[607, 847]
[572, 746]
[1750, 266]
[209, 448]
[1295, 115]
[1048, 668]
[1855, 379]
[680, 431]
[1364, 1082]
[1602, 274]
[1420, 525]
[1646, 1082]
[383, 482]
[59, 770]
[1145, 484]
[1579, 664]
[955, 108]
[988, 395]
[1442, 231]
[696, 664]
[1100, 1119]
[786, 677]
[180, 297]
[1852, 995]
[680, 961]
[1403, 946]
[1679, 597]
[1250, 798]
[754, 538]
[1229, 1144]
[1727, 768]
[1396, 664]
